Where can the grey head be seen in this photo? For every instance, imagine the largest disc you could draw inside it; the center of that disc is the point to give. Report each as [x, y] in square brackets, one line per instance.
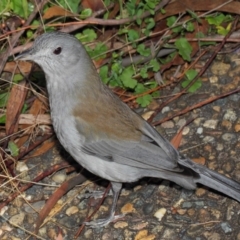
[58, 54]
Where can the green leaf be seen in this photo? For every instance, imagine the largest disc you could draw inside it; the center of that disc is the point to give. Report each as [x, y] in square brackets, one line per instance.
[24, 108]
[13, 148]
[171, 21]
[116, 67]
[144, 100]
[4, 6]
[133, 35]
[190, 27]
[17, 78]
[86, 13]
[20, 8]
[140, 88]
[155, 65]
[139, 14]
[88, 35]
[71, 5]
[216, 20]
[143, 51]
[3, 99]
[29, 34]
[223, 31]
[126, 78]
[184, 48]
[143, 72]
[191, 74]
[104, 73]
[155, 94]
[98, 52]
[150, 23]
[3, 118]
[195, 86]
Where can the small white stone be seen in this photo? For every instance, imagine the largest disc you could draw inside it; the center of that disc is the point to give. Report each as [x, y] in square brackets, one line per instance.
[165, 109]
[3, 210]
[159, 214]
[181, 122]
[200, 130]
[211, 124]
[17, 219]
[21, 166]
[213, 79]
[72, 210]
[167, 124]
[147, 115]
[208, 139]
[230, 115]
[59, 177]
[185, 131]
[219, 147]
[178, 203]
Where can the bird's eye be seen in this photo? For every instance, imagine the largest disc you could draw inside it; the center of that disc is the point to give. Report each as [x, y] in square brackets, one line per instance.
[57, 51]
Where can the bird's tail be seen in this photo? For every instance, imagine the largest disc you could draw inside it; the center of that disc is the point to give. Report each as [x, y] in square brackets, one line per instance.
[214, 180]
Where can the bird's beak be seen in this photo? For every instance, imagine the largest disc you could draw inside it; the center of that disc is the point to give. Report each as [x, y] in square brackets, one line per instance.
[25, 56]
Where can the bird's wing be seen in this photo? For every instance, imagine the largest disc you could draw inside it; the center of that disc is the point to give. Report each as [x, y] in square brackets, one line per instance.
[149, 150]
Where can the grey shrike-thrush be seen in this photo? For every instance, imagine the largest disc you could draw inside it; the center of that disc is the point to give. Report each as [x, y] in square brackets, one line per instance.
[101, 132]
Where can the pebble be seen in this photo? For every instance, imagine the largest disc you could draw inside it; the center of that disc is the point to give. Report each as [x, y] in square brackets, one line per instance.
[139, 226]
[165, 109]
[181, 211]
[59, 177]
[185, 131]
[226, 227]
[181, 122]
[17, 219]
[128, 208]
[147, 115]
[88, 234]
[230, 115]
[220, 68]
[210, 124]
[208, 139]
[21, 166]
[72, 210]
[148, 191]
[199, 130]
[237, 127]
[191, 212]
[37, 206]
[226, 124]
[216, 108]
[187, 205]
[213, 79]
[217, 214]
[120, 224]
[200, 192]
[229, 137]
[212, 236]
[148, 208]
[159, 214]
[168, 124]
[204, 216]
[143, 235]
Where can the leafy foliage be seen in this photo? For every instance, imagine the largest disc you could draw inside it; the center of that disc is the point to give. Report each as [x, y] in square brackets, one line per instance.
[190, 75]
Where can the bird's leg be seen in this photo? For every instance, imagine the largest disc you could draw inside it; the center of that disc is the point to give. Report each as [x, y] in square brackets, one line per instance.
[116, 188]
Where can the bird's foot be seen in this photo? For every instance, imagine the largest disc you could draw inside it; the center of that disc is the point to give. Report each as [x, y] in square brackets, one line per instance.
[99, 223]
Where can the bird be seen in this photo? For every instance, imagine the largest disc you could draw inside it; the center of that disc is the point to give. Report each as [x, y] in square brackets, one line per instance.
[102, 133]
